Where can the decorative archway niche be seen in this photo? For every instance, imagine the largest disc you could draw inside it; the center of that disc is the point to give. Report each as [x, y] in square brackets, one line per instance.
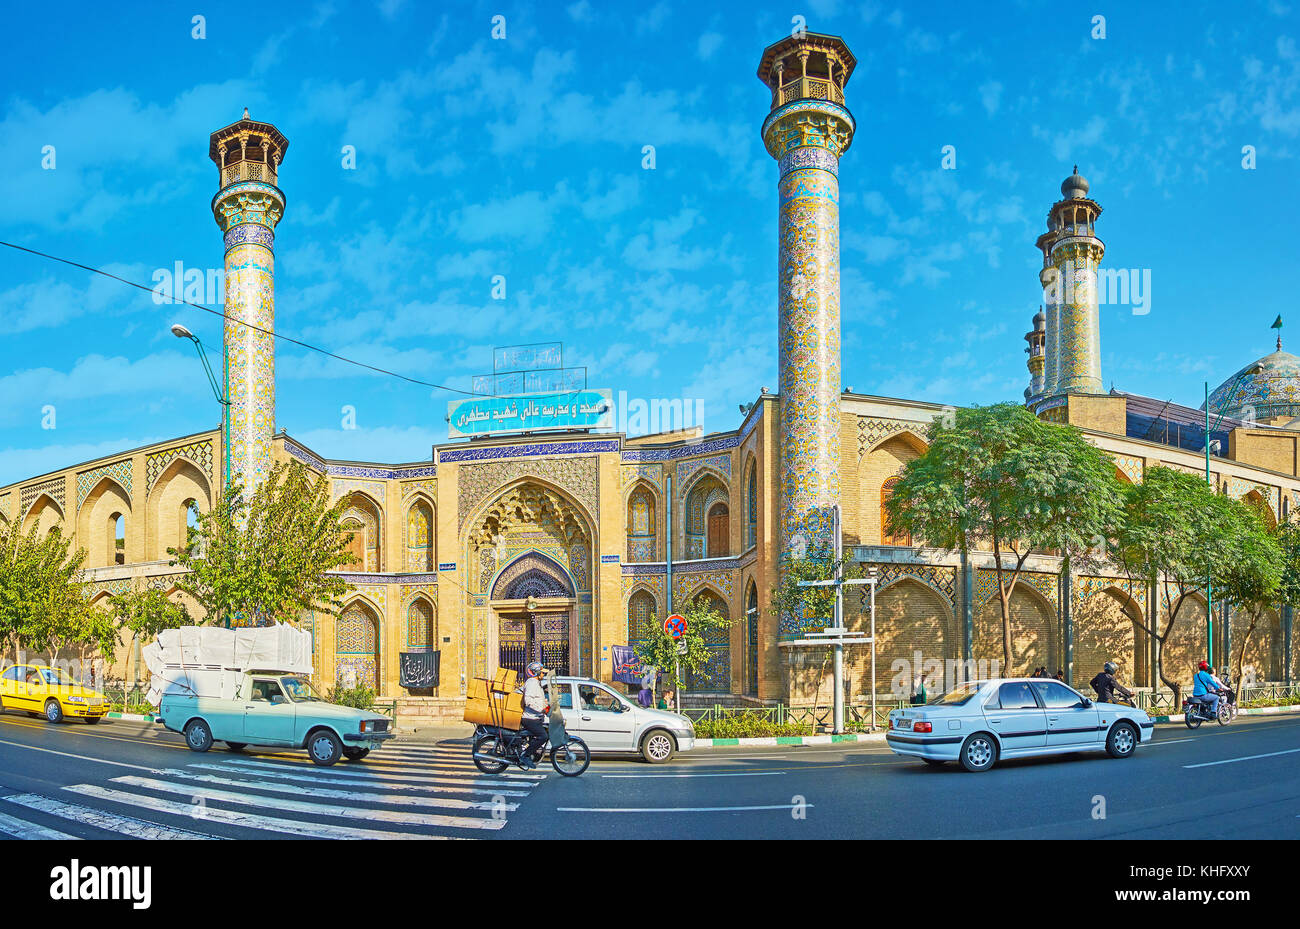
[529, 558]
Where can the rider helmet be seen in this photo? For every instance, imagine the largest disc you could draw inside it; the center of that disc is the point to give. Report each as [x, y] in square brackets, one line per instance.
[534, 669]
[1110, 667]
[1204, 665]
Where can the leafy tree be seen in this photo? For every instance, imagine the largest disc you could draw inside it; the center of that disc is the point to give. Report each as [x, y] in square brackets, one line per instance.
[1252, 589]
[145, 613]
[690, 653]
[1000, 476]
[269, 556]
[42, 602]
[1177, 533]
[810, 603]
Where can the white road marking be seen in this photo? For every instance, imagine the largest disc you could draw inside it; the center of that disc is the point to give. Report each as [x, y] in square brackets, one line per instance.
[448, 803]
[679, 809]
[243, 820]
[475, 779]
[370, 782]
[20, 829]
[736, 774]
[120, 764]
[101, 819]
[1209, 764]
[314, 809]
[1165, 742]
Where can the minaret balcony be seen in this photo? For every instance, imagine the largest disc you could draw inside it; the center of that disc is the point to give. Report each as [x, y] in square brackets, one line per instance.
[808, 88]
[247, 171]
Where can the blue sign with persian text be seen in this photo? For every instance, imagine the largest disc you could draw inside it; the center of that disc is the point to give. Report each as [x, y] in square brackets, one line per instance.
[579, 409]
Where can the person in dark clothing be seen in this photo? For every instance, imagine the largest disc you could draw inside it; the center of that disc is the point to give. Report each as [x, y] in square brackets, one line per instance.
[1060, 675]
[1106, 685]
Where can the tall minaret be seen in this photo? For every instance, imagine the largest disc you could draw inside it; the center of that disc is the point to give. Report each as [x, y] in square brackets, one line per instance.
[1037, 339]
[807, 131]
[1071, 255]
[247, 207]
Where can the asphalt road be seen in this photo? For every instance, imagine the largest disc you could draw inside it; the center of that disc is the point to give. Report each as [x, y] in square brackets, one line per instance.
[133, 780]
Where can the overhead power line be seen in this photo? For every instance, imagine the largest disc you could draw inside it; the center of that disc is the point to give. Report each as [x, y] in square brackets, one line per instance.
[239, 322]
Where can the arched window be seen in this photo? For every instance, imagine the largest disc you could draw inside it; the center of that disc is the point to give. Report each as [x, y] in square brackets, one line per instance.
[356, 646]
[357, 546]
[751, 640]
[421, 627]
[886, 538]
[716, 676]
[641, 618]
[419, 537]
[117, 538]
[719, 531]
[708, 530]
[641, 526]
[751, 508]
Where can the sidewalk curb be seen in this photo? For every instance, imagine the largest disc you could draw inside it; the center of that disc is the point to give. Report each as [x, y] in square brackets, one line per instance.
[1255, 711]
[134, 717]
[790, 741]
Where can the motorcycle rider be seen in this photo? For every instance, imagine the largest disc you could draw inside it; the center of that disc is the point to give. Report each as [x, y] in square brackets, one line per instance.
[1106, 685]
[534, 712]
[1206, 687]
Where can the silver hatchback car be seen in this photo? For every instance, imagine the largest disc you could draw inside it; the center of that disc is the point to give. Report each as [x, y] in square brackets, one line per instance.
[611, 724]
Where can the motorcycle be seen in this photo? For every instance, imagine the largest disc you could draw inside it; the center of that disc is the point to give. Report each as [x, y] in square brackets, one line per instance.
[1196, 712]
[495, 749]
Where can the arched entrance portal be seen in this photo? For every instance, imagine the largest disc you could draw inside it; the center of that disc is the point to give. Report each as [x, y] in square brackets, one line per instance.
[533, 599]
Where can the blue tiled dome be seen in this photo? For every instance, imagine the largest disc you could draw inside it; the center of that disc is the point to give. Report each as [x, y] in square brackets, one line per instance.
[1262, 390]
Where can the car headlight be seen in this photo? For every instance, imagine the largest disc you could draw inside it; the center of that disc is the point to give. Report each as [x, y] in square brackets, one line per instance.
[74, 699]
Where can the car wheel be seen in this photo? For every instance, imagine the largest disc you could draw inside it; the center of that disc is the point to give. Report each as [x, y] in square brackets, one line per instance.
[53, 711]
[198, 735]
[658, 746]
[979, 752]
[91, 720]
[934, 762]
[324, 747]
[355, 754]
[1122, 740]
[236, 746]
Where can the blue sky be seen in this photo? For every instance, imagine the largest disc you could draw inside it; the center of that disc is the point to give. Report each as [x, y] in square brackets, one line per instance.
[523, 157]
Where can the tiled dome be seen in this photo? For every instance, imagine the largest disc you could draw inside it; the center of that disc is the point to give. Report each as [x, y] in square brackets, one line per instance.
[1262, 390]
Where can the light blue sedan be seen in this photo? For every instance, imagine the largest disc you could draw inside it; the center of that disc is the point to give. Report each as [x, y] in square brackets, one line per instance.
[982, 722]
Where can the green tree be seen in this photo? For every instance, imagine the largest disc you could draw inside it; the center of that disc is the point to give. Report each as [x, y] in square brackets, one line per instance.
[690, 654]
[42, 598]
[1260, 574]
[145, 613]
[1000, 476]
[1176, 534]
[269, 556]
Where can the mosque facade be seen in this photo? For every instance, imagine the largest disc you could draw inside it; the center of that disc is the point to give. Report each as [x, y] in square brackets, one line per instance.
[563, 546]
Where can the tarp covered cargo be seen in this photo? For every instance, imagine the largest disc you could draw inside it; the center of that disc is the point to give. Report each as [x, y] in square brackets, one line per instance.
[209, 661]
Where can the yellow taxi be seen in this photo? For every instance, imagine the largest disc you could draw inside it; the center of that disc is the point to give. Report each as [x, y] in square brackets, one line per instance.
[42, 690]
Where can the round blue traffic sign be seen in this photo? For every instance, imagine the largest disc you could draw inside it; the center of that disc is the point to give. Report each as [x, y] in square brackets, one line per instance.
[675, 625]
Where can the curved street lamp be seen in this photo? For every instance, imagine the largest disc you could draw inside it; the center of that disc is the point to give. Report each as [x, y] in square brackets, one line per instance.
[183, 333]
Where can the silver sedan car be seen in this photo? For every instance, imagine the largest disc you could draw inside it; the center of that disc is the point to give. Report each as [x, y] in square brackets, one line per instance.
[982, 722]
[611, 724]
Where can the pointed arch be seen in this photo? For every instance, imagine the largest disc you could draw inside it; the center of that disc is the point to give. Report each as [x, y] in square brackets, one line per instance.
[45, 513]
[642, 522]
[363, 516]
[534, 574]
[716, 676]
[421, 554]
[751, 638]
[357, 645]
[421, 625]
[167, 513]
[104, 515]
[707, 523]
[902, 539]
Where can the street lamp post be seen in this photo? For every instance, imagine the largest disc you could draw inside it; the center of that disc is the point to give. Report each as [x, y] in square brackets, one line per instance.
[183, 333]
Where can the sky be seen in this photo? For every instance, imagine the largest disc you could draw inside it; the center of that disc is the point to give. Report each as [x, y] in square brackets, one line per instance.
[523, 157]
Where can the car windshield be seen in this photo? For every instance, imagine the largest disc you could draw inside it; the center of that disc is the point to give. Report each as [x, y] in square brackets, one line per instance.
[957, 696]
[53, 676]
[300, 690]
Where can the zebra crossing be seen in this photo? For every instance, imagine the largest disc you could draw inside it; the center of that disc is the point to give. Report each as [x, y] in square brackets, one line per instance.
[410, 791]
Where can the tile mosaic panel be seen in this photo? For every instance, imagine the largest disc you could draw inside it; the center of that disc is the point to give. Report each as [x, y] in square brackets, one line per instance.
[119, 471]
[200, 454]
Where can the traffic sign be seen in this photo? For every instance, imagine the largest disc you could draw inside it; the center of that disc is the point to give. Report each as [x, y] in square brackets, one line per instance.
[675, 625]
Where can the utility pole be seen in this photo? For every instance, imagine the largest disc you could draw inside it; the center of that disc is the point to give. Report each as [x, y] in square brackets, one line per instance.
[837, 635]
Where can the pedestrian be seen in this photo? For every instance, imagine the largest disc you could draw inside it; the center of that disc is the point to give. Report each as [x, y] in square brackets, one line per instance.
[1060, 675]
[918, 690]
[665, 700]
